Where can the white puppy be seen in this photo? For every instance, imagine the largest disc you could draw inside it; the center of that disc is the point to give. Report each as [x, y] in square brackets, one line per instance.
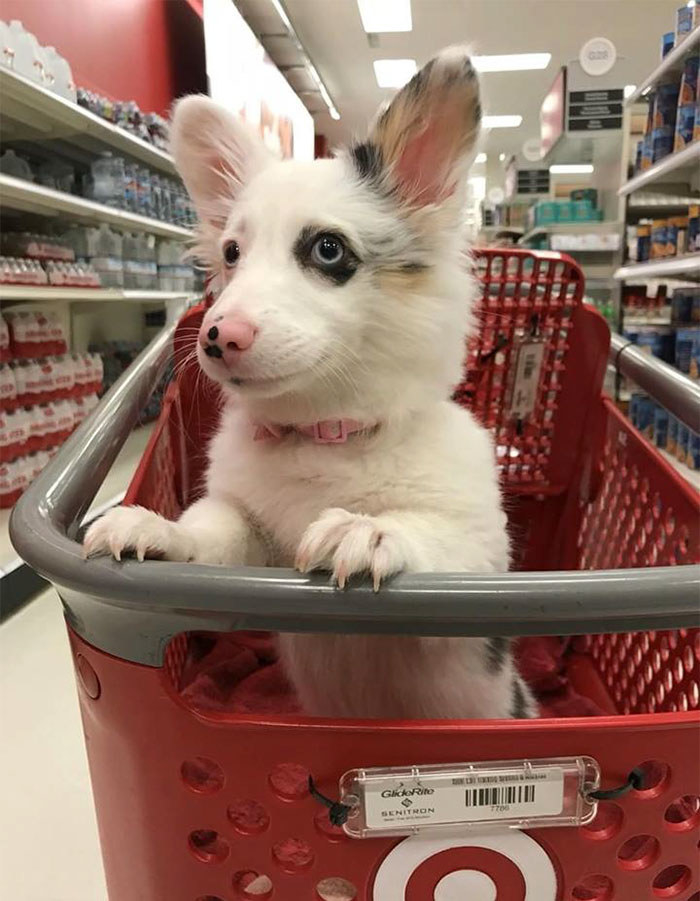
[338, 334]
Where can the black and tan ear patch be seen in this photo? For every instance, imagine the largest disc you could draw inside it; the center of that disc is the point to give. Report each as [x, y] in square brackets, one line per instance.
[422, 141]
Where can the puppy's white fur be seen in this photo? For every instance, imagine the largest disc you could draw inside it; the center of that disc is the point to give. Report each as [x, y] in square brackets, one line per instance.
[418, 490]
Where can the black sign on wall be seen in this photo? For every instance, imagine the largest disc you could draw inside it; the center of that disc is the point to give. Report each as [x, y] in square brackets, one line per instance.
[532, 181]
[595, 110]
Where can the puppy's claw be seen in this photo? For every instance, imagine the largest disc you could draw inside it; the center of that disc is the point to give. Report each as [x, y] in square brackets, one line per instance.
[341, 576]
[115, 548]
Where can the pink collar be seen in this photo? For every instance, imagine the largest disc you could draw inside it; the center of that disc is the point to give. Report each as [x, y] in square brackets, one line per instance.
[328, 431]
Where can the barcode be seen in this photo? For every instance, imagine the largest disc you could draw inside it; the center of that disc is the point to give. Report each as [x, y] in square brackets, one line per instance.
[529, 366]
[503, 794]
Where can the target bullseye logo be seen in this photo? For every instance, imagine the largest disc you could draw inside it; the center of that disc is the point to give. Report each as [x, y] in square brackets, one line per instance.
[484, 866]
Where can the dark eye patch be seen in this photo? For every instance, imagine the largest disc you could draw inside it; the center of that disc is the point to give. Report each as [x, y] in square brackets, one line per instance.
[337, 272]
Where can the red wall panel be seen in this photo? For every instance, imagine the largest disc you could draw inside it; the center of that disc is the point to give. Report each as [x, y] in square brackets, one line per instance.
[120, 48]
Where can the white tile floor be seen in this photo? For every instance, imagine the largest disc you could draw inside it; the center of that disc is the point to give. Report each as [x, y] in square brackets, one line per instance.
[49, 849]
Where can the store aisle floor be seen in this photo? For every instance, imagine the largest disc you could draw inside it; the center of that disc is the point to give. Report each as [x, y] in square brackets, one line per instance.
[49, 848]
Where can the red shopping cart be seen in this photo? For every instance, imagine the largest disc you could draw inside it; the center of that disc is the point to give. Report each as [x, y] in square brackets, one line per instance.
[200, 804]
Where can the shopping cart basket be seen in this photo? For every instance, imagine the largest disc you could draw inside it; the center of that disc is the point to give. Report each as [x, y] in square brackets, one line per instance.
[210, 806]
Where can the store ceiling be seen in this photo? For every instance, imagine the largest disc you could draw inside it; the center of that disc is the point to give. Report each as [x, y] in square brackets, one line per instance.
[332, 34]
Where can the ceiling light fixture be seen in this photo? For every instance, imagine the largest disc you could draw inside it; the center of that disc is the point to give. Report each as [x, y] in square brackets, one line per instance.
[294, 37]
[480, 158]
[282, 13]
[394, 73]
[571, 169]
[502, 157]
[511, 62]
[628, 90]
[385, 15]
[501, 121]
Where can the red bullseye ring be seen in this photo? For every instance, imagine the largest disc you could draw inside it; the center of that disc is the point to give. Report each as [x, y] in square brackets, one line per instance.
[504, 865]
[505, 874]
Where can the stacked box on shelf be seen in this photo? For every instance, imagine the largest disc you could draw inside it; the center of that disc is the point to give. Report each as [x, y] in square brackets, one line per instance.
[45, 393]
[551, 212]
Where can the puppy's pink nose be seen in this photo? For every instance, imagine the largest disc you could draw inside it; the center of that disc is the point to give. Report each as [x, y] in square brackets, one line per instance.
[226, 338]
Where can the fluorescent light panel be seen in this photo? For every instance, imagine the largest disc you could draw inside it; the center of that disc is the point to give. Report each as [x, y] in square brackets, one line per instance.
[629, 89]
[282, 13]
[385, 15]
[511, 62]
[480, 158]
[571, 169]
[501, 121]
[394, 73]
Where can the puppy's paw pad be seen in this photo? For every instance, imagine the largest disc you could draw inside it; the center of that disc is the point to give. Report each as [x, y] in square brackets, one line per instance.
[129, 530]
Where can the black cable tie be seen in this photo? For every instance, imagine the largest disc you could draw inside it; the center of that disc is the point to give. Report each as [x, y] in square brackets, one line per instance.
[337, 811]
[635, 780]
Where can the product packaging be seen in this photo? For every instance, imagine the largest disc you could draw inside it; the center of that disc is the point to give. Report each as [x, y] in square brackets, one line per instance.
[672, 435]
[660, 426]
[687, 103]
[664, 120]
[693, 456]
[688, 351]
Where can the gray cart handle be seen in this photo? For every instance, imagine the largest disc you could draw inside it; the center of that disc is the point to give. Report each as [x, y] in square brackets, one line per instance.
[132, 609]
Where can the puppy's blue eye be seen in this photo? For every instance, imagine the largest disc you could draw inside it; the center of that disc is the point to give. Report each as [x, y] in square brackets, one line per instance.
[328, 250]
[231, 253]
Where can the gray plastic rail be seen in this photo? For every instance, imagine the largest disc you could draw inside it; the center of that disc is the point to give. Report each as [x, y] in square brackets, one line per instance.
[132, 609]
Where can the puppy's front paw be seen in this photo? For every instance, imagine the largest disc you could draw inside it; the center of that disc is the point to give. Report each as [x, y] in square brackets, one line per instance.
[135, 530]
[348, 544]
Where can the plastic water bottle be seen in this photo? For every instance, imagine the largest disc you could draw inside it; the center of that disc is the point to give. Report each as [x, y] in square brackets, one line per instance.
[144, 187]
[108, 179]
[11, 164]
[131, 187]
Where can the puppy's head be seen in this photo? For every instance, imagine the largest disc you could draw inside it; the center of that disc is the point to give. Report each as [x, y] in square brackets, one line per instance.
[341, 289]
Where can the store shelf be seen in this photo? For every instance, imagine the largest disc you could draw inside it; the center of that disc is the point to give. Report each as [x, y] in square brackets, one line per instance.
[110, 493]
[690, 475]
[17, 194]
[656, 205]
[641, 321]
[494, 229]
[672, 62]
[575, 228]
[685, 267]
[30, 112]
[675, 167]
[48, 293]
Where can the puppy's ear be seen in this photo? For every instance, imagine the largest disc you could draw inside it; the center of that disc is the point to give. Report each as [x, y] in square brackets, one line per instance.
[215, 153]
[422, 144]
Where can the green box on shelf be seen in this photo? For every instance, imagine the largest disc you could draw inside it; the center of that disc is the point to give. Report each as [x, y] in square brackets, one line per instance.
[546, 212]
[584, 211]
[588, 194]
[565, 211]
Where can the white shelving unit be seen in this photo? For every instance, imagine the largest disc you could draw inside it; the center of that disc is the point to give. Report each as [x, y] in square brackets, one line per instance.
[690, 475]
[606, 227]
[25, 196]
[27, 293]
[674, 168]
[30, 112]
[670, 64]
[666, 188]
[685, 267]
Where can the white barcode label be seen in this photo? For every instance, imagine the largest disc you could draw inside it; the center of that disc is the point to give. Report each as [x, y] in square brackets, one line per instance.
[528, 367]
[487, 796]
[500, 795]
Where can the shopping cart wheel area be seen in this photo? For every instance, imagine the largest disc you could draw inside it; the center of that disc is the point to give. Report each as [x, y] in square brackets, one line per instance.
[211, 785]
